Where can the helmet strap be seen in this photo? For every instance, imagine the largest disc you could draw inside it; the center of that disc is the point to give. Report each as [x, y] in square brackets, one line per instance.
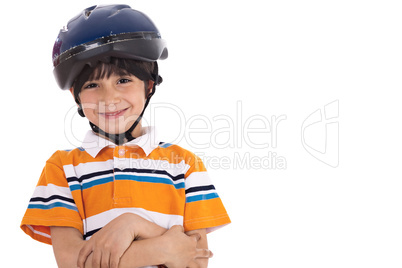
[80, 111]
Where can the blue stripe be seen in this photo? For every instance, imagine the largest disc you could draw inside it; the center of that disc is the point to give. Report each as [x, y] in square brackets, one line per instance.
[90, 184]
[200, 197]
[149, 179]
[165, 145]
[75, 187]
[79, 148]
[96, 182]
[54, 205]
[126, 177]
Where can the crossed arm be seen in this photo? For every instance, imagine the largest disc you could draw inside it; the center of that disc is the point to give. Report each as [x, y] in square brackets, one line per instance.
[130, 241]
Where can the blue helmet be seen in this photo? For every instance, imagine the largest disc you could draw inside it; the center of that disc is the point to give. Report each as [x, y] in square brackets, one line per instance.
[101, 32]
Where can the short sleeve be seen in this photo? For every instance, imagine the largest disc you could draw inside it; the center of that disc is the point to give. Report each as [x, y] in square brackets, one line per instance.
[204, 207]
[52, 204]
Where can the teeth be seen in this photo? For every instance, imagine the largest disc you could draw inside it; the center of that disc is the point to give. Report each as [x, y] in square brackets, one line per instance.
[113, 114]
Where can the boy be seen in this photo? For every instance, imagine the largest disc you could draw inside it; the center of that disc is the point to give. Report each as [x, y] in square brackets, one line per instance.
[123, 199]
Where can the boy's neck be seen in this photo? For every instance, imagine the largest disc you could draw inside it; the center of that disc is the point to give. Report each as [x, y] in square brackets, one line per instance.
[137, 132]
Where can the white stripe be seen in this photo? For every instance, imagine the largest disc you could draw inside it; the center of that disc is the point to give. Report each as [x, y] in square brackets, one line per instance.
[92, 179]
[201, 192]
[51, 202]
[37, 232]
[101, 219]
[155, 175]
[92, 167]
[212, 229]
[51, 189]
[73, 183]
[171, 168]
[127, 173]
[198, 179]
[87, 168]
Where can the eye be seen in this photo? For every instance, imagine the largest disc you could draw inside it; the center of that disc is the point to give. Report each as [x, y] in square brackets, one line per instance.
[123, 81]
[90, 85]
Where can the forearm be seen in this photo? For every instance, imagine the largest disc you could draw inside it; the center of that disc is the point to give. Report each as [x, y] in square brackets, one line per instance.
[69, 247]
[145, 229]
[143, 253]
[140, 253]
[170, 249]
[146, 250]
[67, 243]
[118, 245]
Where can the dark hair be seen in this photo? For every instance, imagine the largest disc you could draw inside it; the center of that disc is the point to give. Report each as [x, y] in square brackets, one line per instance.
[143, 70]
[123, 67]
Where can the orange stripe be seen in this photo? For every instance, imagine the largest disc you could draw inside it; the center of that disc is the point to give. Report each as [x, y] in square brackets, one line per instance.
[193, 215]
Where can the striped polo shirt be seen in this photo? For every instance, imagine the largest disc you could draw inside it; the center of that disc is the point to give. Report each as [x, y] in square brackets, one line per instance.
[89, 186]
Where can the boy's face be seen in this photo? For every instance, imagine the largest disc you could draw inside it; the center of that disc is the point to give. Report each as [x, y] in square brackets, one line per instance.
[114, 103]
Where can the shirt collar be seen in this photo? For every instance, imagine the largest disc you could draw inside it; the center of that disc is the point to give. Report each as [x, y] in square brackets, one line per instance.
[93, 143]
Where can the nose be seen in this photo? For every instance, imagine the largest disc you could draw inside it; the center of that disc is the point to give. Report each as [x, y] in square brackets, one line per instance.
[110, 96]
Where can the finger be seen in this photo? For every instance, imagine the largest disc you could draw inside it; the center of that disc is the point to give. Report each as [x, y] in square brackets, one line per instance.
[96, 259]
[178, 227]
[105, 258]
[83, 255]
[114, 261]
[203, 253]
[197, 236]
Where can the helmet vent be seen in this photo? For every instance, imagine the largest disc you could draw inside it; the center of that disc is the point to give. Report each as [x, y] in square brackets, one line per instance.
[88, 11]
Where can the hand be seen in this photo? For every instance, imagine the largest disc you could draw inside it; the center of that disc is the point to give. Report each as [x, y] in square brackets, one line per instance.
[109, 243]
[180, 249]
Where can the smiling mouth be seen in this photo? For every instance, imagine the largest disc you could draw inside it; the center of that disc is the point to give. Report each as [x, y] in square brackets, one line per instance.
[112, 115]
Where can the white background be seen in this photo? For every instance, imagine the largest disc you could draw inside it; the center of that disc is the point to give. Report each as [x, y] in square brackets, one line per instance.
[270, 58]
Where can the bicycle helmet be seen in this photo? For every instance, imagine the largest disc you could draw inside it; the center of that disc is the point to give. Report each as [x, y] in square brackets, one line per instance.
[98, 34]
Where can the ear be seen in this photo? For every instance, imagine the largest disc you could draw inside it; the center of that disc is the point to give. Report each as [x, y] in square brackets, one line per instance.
[150, 84]
[72, 93]
[149, 87]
